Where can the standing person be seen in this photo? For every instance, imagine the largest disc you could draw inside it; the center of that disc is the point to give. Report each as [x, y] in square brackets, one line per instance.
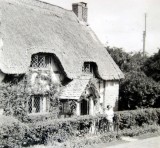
[110, 114]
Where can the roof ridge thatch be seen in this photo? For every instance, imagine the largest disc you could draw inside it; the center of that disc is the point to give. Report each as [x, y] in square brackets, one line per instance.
[43, 7]
[38, 3]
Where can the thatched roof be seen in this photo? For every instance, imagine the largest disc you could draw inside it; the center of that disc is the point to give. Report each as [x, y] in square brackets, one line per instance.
[31, 26]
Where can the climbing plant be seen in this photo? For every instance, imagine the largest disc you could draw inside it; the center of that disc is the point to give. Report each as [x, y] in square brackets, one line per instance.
[15, 95]
[13, 98]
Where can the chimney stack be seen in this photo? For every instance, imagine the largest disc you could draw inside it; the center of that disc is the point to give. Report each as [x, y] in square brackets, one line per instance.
[81, 10]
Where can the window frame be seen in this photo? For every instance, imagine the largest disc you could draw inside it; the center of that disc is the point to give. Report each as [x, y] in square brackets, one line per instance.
[90, 69]
[41, 60]
[41, 108]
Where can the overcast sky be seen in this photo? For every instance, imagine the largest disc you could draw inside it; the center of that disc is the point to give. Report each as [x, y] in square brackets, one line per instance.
[120, 23]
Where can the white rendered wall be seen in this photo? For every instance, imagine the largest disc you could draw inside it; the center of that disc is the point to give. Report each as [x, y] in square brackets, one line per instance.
[91, 106]
[56, 77]
[1, 111]
[100, 85]
[101, 91]
[2, 75]
[44, 104]
[112, 94]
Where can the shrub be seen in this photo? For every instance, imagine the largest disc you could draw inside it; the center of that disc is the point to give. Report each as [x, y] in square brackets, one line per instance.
[129, 119]
[42, 117]
[12, 132]
[136, 131]
[58, 130]
[44, 129]
[138, 91]
[76, 142]
[41, 131]
[108, 137]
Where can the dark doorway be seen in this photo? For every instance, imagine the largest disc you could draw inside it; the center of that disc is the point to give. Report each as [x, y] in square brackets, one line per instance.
[84, 107]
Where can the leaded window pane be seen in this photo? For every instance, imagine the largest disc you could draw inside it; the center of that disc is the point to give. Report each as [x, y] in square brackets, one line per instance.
[41, 61]
[38, 103]
[34, 62]
[30, 105]
[37, 100]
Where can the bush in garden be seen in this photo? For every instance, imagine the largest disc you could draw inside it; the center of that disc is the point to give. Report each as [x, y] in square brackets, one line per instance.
[13, 99]
[136, 131]
[42, 131]
[133, 118]
[80, 142]
[42, 117]
[61, 130]
[138, 91]
[58, 130]
[108, 137]
[12, 132]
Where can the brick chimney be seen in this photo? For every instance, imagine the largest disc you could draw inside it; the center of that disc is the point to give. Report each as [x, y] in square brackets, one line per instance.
[81, 10]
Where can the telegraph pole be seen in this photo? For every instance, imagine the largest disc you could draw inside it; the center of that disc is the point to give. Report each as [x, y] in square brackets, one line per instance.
[144, 35]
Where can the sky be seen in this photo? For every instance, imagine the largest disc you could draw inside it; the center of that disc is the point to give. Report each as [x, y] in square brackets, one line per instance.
[120, 23]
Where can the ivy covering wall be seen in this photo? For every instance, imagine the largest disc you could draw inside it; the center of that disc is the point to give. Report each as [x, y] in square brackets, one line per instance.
[14, 95]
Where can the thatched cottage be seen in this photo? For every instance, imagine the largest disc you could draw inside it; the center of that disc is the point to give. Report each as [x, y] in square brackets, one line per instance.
[43, 38]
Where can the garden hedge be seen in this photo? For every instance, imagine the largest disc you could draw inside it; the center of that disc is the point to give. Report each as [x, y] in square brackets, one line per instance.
[42, 129]
[129, 119]
[62, 129]
[12, 132]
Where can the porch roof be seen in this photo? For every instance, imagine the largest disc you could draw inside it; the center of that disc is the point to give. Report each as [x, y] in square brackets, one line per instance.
[74, 89]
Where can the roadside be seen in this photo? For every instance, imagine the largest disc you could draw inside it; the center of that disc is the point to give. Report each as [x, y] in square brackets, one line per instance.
[150, 140]
[125, 142]
[153, 142]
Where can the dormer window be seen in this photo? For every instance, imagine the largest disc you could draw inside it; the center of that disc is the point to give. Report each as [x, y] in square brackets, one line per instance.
[88, 67]
[40, 60]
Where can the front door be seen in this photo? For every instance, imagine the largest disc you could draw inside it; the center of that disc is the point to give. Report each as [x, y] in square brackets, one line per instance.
[84, 107]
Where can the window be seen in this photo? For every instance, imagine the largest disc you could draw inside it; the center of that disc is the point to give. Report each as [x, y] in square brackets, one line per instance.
[38, 104]
[40, 61]
[65, 107]
[87, 68]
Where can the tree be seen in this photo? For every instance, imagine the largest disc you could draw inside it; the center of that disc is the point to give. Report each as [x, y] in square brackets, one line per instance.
[138, 91]
[136, 62]
[120, 57]
[152, 67]
[126, 61]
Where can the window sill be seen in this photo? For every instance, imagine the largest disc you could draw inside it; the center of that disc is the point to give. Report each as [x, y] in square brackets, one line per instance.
[35, 114]
[40, 68]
